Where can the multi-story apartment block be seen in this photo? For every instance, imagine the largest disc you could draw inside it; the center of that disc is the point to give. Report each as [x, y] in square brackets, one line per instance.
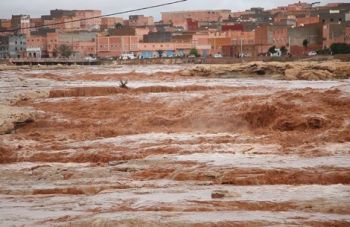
[179, 18]
[21, 23]
[140, 20]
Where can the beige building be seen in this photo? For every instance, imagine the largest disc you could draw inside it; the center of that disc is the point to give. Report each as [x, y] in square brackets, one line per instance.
[179, 18]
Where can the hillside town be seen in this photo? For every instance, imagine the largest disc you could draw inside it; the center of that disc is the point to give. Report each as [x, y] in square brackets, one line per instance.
[297, 29]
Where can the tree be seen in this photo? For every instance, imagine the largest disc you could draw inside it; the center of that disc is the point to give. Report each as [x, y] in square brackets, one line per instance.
[284, 50]
[65, 51]
[305, 43]
[194, 52]
[118, 26]
[272, 50]
[340, 48]
[160, 53]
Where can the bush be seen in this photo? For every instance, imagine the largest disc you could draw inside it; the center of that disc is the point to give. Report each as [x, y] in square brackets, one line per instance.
[65, 51]
[194, 52]
[340, 48]
[272, 50]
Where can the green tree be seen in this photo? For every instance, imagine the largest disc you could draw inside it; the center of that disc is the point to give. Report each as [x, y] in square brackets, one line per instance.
[305, 43]
[194, 52]
[284, 50]
[340, 48]
[118, 26]
[160, 53]
[65, 50]
[272, 50]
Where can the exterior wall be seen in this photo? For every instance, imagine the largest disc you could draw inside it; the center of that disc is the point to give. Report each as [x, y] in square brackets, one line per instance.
[307, 20]
[218, 43]
[5, 24]
[17, 46]
[235, 27]
[114, 46]
[140, 32]
[109, 22]
[245, 37]
[140, 20]
[21, 22]
[333, 33]
[191, 25]
[169, 49]
[267, 36]
[38, 42]
[247, 50]
[347, 35]
[52, 44]
[156, 37]
[313, 33]
[84, 48]
[179, 18]
[83, 43]
[33, 53]
[4, 47]
[63, 26]
[89, 24]
[36, 22]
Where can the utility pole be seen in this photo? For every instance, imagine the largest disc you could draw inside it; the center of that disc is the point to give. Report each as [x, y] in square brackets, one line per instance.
[241, 48]
[289, 44]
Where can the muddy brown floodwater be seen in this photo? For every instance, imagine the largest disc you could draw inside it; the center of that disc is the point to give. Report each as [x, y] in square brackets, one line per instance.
[171, 150]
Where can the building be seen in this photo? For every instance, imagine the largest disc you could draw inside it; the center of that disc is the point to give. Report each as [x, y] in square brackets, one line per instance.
[21, 22]
[157, 37]
[313, 33]
[191, 25]
[334, 13]
[140, 20]
[83, 43]
[33, 52]
[232, 27]
[73, 20]
[17, 46]
[110, 22]
[114, 46]
[163, 49]
[35, 42]
[4, 47]
[5, 24]
[271, 35]
[179, 18]
[91, 24]
[201, 42]
[334, 33]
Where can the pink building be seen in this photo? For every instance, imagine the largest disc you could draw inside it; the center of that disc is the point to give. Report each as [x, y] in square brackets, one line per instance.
[110, 22]
[179, 18]
[90, 24]
[36, 41]
[52, 44]
[21, 22]
[114, 46]
[140, 20]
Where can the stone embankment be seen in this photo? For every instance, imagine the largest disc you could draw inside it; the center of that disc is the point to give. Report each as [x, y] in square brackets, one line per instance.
[307, 70]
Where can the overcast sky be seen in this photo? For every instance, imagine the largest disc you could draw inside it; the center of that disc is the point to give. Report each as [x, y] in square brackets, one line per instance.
[40, 7]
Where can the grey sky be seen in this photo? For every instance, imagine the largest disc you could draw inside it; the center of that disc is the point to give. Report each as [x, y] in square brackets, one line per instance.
[40, 7]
